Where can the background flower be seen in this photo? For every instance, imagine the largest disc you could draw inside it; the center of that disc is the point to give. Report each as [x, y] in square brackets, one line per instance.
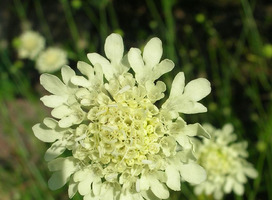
[30, 44]
[122, 145]
[224, 161]
[51, 60]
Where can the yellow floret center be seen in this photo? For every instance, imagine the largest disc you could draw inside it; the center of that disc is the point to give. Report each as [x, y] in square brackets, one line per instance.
[216, 160]
[51, 57]
[30, 43]
[124, 132]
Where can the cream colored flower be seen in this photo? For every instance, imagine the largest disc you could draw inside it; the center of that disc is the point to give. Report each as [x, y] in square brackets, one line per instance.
[30, 44]
[224, 161]
[122, 145]
[50, 60]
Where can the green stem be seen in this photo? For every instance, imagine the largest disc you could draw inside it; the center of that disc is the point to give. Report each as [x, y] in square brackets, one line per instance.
[170, 29]
[72, 26]
[40, 13]
[20, 9]
[113, 16]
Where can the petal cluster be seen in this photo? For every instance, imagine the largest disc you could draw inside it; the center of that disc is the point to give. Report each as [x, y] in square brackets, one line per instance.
[122, 145]
[224, 161]
[51, 59]
[30, 44]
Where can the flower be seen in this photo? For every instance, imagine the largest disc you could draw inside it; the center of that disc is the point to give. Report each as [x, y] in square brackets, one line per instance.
[122, 145]
[224, 161]
[30, 44]
[50, 60]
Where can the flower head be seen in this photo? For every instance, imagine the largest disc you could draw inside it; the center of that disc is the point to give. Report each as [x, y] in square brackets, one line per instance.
[122, 145]
[30, 45]
[224, 162]
[50, 60]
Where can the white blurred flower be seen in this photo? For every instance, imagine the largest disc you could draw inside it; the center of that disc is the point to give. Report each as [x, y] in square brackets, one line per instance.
[51, 59]
[122, 145]
[224, 161]
[30, 44]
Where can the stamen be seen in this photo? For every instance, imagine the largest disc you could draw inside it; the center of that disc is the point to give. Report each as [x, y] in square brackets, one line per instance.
[81, 137]
[124, 89]
[138, 185]
[148, 162]
[101, 112]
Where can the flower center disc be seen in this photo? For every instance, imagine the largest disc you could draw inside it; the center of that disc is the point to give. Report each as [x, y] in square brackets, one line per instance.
[216, 161]
[125, 132]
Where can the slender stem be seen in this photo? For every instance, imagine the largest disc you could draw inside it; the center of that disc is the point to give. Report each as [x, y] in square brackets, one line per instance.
[72, 26]
[40, 13]
[20, 9]
[170, 29]
[113, 16]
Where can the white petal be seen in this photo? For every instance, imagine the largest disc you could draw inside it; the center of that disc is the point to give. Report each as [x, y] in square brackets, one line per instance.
[57, 164]
[97, 184]
[72, 189]
[196, 129]
[228, 185]
[152, 52]
[107, 191]
[53, 84]
[114, 48]
[68, 121]
[173, 178]
[50, 122]
[61, 111]
[158, 188]
[241, 177]
[162, 68]
[251, 172]
[137, 196]
[67, 166]
[184, 141]
[238, 188]
[85, 69]
[91, 196]
[149, 195]
[57, 180]
[53, 101]
[228, 128]
[80, 81]
[67, 73]
[177, 85]
[144, 184]
[95, 58]
[84, 187]
[135, 60]
[80, 175]
[98, 72]
[190, 107]
[193, 173]
[198, 189]
[218, 194]
[126, 196]
[55, 150]
[45, 134]
[197, 89]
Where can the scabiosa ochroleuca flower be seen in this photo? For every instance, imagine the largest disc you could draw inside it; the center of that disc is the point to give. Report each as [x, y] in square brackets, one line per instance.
[31, 44]
[51, 60]
[224, 161]
[122, 145]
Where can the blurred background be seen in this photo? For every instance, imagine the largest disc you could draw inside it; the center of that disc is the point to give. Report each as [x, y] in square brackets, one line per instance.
[226, 41]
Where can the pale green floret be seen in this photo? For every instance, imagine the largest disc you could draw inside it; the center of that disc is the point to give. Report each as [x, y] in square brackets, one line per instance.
[31, 43]
[224, 161]
[51, 60]
[123, 146]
